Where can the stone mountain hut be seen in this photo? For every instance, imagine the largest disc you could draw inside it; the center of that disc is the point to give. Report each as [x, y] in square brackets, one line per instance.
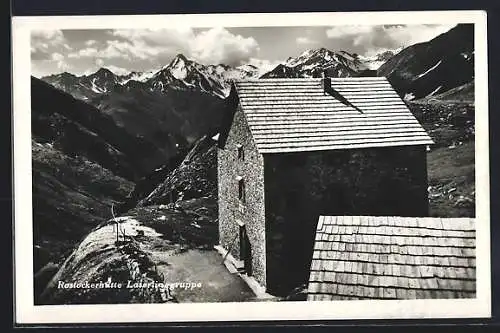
[296, 149]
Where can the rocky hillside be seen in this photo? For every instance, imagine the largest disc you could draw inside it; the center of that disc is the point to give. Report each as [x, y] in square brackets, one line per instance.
[434, 67]
[179, 215]
[196, 176]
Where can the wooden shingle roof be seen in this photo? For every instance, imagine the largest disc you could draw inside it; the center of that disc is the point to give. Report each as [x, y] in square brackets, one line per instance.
[289, 115]
[365, 257]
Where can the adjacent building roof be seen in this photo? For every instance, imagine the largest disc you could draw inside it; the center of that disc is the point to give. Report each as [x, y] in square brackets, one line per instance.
[289, 115]
[364, 257]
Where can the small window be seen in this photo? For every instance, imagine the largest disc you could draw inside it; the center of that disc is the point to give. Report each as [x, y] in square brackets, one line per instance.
[241, 153]
[241, 190]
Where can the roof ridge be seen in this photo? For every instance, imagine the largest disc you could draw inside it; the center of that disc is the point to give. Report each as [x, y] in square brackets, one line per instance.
[355, 78]
[277, 79]
[466, 224]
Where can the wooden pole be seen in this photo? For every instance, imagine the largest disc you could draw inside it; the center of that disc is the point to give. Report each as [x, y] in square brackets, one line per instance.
[114, 219]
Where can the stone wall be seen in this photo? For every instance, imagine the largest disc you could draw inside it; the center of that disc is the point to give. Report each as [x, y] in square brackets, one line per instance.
[299, 187]
[252, 211]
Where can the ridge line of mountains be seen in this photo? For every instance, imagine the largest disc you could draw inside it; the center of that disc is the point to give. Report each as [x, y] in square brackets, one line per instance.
[186, 74]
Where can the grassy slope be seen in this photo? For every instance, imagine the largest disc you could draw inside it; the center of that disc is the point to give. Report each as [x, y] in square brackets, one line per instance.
[451, 161]
[452, 181]
[71, 195]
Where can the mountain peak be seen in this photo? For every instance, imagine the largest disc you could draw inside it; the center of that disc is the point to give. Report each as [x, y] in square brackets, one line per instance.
[181, 56]
[62, 74]
[104, 71]
[178, 59]
[322, 50]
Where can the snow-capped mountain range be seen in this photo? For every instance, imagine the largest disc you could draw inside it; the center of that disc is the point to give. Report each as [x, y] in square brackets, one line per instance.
[186, 74]
[312, 63]
[180, 73]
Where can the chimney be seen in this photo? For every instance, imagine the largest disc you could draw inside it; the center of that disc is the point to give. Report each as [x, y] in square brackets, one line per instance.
[327, 82]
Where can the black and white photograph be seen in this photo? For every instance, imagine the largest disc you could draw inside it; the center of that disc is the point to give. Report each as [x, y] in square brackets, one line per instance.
[335, 165]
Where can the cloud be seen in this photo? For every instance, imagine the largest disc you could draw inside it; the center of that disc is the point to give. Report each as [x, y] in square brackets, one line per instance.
[140, 48]
[53, 36]
[218, 45]
[263, 65]
[45, 39]
[367, 40]
[306, 41]
[156, 37]
[59, 59]
[344, 31]
[45, 42]
[155, 45]
[127, 50]
[88, 52]
[117, 70]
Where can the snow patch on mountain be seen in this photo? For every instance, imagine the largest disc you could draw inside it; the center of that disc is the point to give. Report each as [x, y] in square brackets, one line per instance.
[429, 70]
[136, 76]
[409, 97]
[95, 88]
[435, 91]
[178, 68]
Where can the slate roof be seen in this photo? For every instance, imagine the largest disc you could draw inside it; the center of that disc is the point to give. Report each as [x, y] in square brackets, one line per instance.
[364, 257]
[290, 115]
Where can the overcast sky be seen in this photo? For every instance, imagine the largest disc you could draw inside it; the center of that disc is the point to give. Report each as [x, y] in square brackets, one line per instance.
[84, 51]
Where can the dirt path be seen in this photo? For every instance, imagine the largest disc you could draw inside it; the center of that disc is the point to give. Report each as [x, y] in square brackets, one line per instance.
[209, 279]
[179, 244]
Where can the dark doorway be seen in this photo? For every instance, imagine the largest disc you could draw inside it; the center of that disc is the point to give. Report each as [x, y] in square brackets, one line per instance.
[245, 250]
